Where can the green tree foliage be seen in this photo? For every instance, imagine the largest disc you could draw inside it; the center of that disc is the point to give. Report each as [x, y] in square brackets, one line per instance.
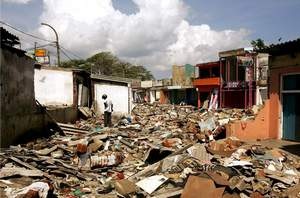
[258, 44]
[106, 63]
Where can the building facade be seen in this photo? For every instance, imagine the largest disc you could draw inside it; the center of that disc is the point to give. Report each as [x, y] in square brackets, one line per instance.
[285, 90]
[118, 91]
[62, 91]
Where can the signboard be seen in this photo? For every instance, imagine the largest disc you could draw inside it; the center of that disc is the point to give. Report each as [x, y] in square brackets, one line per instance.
[174, 87]
[232, 84]
[245, 61]
[40, 53]
[236, 84]
[43, 60]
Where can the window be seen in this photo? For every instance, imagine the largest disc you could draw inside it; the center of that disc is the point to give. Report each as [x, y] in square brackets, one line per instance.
[204, 73]
[291, 82]
[232, 66]
[241, 73]
[215, 72]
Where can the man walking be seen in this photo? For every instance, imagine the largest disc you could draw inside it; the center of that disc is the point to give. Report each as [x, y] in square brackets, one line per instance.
[108, 109]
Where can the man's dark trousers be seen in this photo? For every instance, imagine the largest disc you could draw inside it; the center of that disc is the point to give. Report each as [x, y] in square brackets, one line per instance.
[107, 119]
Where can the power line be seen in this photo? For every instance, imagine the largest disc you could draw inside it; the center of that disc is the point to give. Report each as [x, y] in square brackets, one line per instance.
[48, 44]
[66, 54]
[2, 22]
[71, 52]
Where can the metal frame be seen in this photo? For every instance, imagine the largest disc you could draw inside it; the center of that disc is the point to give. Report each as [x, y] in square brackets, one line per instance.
[248, 92]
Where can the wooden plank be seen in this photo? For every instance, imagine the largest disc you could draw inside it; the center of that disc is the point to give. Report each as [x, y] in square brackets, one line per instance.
[66, 125]
[171, 193]
[53, 120]
[69, 127]
[28, 166]
[75, 130]
[8, 172]
[22, 163]
[85, 111]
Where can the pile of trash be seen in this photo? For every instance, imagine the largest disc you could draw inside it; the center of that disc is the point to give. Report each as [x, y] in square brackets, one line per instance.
[159, 151]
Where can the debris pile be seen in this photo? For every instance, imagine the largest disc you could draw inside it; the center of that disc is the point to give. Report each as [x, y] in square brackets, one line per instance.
[205, 125]
[158, 151]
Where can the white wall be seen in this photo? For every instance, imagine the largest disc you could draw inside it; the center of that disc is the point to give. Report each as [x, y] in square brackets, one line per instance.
[152, 96]
[118, 94]
[157, 94]
[146, 83]
[53, 87]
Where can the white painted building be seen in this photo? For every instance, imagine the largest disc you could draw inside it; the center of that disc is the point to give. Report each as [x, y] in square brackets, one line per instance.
[54, 87]
[118, 91]
[62, 91]
[61, 86]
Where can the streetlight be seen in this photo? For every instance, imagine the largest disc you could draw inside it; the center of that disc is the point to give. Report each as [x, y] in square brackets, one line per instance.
[57, 44]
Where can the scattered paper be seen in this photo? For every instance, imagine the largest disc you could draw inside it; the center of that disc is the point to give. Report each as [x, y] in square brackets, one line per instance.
[150, 184]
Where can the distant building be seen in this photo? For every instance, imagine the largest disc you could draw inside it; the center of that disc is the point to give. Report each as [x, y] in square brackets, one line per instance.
[182, 89]
[177, 90]
[207, 81]
[244, 74]
[237, 80]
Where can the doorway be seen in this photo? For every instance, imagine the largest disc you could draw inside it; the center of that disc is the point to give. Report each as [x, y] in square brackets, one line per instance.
[291, 107]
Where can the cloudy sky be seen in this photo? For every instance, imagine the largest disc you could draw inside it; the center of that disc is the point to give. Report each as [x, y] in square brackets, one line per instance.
[154, 33]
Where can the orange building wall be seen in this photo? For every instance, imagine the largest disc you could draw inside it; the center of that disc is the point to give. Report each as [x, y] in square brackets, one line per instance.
[252, 129]
[275, 102]
[267, 124]
[163, 97]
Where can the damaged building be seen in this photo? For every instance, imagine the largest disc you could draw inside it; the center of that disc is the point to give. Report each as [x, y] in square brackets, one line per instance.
[20, 114]
[237, 80]
[62, 91]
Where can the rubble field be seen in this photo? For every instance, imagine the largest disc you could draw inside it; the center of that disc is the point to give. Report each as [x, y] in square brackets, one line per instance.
[158, 151]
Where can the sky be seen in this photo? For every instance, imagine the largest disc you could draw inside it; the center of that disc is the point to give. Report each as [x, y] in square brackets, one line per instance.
[153, 33]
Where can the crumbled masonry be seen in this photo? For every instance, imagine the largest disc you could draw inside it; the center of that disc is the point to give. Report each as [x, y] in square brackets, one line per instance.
[158, 151]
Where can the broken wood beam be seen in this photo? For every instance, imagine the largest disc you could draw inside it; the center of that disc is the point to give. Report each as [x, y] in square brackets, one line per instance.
[28, 166]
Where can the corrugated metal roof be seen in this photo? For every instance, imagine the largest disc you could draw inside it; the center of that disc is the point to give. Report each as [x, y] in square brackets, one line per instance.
[74, 70]
[283, 48]
[208, 64]
[111, 78]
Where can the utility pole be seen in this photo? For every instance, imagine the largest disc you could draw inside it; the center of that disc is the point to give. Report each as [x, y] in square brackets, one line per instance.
[35, 44]
[57, 44]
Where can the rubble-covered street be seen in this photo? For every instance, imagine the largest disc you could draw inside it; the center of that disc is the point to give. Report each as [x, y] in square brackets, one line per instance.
[149, 99]
[158, 151]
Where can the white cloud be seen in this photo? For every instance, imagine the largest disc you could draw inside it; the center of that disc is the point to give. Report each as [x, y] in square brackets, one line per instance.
[156, 36]
[17, 1]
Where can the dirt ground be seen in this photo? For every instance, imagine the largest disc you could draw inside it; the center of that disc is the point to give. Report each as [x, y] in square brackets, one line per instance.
[291, 147]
